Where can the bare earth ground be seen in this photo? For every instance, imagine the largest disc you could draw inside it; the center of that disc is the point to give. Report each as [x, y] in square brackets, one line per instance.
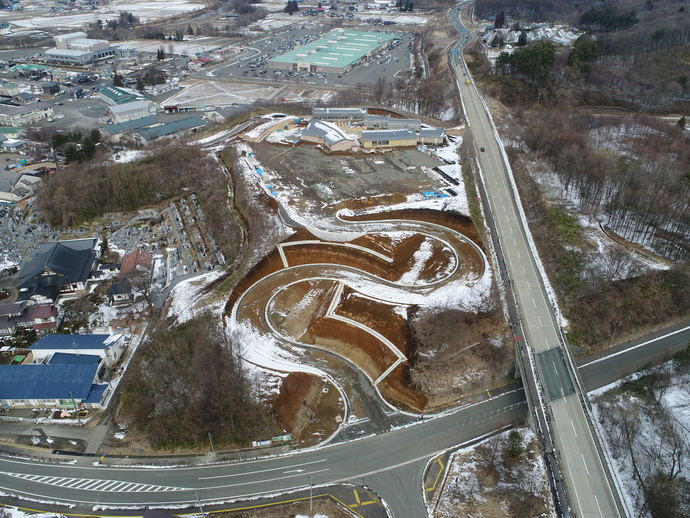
[323, 184]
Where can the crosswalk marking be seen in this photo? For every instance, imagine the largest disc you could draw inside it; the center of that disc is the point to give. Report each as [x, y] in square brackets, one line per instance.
[94, 484]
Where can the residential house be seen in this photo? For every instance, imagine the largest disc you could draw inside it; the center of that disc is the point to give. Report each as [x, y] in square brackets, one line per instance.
[51, 88]
[22, 315]
[135, 262]
[23, 98]
[57, 269]
[108, 347]
[16, 186]
[120, 292]
[72, 384]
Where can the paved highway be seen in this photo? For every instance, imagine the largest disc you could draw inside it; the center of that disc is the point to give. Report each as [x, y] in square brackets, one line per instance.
[588, 484]
[390, 463]
[395, 456]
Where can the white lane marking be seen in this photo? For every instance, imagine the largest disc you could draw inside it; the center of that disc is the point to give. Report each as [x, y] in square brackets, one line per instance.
[264, 470]
[635, 347]
[262, 481]
[584, 463]
[596, 501]
[573, 426]
[90, 484]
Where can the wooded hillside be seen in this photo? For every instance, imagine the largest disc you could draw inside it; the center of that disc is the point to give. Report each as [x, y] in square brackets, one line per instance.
[189, 381]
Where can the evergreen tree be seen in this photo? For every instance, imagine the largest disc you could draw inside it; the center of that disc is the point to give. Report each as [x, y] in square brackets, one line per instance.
[72, 154]
[522, 39]
[681, 122]
[514, 448]
[88, 149]
[500, 20]
[118, 80]
[95, 135]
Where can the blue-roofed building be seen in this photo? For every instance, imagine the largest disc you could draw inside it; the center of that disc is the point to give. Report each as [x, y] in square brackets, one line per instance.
[65, 358]
[107, 347]
[51, 385]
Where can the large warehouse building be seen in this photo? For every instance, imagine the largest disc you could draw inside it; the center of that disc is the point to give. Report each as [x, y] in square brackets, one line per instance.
[336, 52]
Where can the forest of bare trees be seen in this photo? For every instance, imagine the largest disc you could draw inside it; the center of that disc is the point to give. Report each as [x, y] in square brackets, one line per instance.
[427, 97]
[633, 172]
[187, 382]
[647, 440]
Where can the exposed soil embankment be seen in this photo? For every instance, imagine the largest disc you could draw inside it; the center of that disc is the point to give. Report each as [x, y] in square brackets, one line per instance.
[297, 293]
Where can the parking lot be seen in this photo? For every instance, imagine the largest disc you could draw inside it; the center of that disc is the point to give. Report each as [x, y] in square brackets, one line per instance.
[253, 62]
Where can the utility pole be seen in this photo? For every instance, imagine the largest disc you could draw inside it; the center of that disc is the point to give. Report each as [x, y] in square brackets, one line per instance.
[210, 438]
[310, 499]
[74, 405]
[198, 502]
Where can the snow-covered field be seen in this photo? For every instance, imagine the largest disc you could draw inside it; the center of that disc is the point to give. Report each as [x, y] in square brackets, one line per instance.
[212, 93]
[149, 10]
[397, 18]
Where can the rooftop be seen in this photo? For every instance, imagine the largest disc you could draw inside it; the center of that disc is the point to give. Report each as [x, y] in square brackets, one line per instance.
[121, 95]
[75, 342]
[6, 109]
[388, 135]
[59, 381]
[59, 263]
[170, 128]
[135, 124]
[338, 48]
[328, 131]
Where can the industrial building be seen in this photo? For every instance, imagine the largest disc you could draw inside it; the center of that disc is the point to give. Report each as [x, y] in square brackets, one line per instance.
[25, 114]
[129, 111]
[338, 52]
[76, 48]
